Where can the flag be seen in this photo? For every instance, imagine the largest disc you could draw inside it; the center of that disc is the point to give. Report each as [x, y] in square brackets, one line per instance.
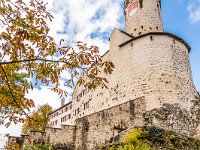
[133, 9]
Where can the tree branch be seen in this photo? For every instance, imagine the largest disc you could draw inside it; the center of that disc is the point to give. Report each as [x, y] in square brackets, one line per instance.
[37, 59]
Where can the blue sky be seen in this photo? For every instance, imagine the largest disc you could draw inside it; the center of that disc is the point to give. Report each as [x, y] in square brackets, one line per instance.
[177, 20]
[92, 21]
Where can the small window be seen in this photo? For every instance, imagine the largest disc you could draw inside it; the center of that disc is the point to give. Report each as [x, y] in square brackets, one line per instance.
[141, 3]
[77, 112]
[66, 109]
[151, 38]
[86, 105]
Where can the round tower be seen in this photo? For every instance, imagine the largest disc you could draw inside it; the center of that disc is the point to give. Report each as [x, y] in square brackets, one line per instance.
[142, 16]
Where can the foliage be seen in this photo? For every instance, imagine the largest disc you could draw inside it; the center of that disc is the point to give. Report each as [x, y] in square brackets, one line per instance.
[172, 138]
[133, 141]
[111, 140]
[40, 117]
[13, 146]
[25, 46]
[40, 147]
[116, 138]
[155, 133]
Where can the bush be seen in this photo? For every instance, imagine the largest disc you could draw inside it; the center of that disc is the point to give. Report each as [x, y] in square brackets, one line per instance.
[172, 138]
[155, 133]
[116, 138]
[134, 141]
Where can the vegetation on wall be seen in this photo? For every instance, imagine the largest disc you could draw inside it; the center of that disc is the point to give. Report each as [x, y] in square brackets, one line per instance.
[40, 147]
[151, 138]
[133, 140]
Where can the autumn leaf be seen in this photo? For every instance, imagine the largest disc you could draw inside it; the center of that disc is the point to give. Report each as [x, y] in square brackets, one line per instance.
[27, 47]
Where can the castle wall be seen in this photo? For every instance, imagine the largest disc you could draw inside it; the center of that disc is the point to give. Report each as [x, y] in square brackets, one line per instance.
[36, 137]
[61, 136]
[154, 66]
[94, 129]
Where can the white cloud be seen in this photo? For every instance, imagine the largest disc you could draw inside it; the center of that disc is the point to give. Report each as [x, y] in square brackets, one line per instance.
[77, 19]
[44, 95]
[194, 10]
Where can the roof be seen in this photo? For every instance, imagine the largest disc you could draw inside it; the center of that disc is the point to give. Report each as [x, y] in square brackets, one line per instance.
[59, 108]
[126, 33]
[158, 33]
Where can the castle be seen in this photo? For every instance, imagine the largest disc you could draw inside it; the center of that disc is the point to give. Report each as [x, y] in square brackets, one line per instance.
[151, 85]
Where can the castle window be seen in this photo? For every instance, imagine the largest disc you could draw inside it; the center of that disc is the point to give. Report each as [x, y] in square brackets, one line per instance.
[157, 28]
[142, 27]
[86, 105]
[174, 42]
[151, 38]
[65, 118]
[68, 116]
[77, 112]
[66, 109]
[141, 3]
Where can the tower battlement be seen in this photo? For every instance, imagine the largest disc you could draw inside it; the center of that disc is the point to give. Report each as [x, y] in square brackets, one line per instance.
[142, 16]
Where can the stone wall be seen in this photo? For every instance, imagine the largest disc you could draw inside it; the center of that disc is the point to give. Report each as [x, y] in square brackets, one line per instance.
[156, 138]
[173, 117]
[37, 137]
[62, 137]
[93, 130]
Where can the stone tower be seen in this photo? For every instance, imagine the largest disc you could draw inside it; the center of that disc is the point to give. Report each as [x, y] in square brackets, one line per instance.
[142, 16]
[160, 61]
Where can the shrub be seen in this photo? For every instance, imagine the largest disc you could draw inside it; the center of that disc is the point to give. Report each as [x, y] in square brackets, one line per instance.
[134, 141]
[111, 140]
[172, 138]
[116, 138]
[155, 133]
